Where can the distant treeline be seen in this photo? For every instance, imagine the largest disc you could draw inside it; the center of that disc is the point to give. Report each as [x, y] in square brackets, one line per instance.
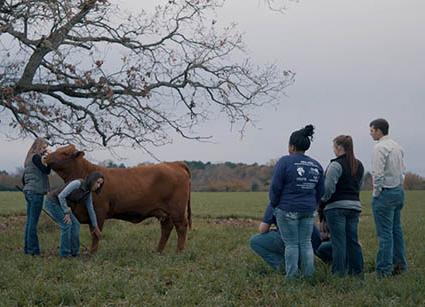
[216, 177]
[230, 176]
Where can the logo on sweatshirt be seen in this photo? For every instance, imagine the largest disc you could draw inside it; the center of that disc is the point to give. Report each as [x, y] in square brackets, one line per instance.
[300, 171]
[314, 171]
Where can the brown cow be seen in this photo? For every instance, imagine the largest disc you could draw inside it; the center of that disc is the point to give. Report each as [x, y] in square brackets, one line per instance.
[132, 194]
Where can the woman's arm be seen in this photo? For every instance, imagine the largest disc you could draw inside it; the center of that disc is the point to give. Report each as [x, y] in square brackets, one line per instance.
[90, 210]
[268, 220]
[70, 187]
[37, 160]
[276, 185]
[333, 172]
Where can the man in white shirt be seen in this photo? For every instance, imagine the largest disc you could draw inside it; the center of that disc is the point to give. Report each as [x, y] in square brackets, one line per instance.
[388, 200]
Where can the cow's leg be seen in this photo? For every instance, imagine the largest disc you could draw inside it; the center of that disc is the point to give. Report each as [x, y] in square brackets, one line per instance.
[181, 228]
[166, 227]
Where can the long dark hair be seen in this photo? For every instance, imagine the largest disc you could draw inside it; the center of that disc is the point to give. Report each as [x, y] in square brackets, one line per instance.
[346, 142]
[301, 139]
[91, 179]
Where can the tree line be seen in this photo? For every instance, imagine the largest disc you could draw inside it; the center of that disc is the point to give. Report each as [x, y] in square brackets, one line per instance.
[216, 177]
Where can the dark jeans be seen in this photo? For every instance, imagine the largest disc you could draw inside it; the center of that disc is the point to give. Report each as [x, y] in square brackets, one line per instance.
[324, 252]
[347, 256]
[270, 247]
[386, 211]
[34, 206]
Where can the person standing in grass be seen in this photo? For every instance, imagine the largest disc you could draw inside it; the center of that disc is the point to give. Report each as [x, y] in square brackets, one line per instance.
[76, 191]
[388, 199]
[295, 191]
[268, 244]
[36, 185]
[341, 206]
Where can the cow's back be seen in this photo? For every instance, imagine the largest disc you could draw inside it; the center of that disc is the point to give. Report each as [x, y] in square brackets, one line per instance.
[144, 189]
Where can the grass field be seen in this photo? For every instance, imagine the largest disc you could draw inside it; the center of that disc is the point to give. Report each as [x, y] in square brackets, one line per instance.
[217, 269]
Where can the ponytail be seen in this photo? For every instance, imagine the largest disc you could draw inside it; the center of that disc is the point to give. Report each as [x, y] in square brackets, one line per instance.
[346, 142]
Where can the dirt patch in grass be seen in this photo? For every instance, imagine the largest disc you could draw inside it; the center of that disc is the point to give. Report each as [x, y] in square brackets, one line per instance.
[239, 222]
[11, 222]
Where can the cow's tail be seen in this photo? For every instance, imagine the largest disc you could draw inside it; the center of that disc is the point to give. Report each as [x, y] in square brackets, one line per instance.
[189, 209]
[186, 168]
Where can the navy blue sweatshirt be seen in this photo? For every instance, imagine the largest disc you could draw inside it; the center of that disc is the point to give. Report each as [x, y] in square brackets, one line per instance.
[297, 183]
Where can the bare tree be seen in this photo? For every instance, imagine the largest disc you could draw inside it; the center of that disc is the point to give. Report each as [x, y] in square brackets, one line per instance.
[86, 72]
[279, 5]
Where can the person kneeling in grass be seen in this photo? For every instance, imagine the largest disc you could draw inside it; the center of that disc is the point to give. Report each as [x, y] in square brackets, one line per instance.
[268, 244]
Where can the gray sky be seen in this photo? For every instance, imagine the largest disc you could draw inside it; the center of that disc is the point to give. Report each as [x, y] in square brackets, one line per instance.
[355, 61]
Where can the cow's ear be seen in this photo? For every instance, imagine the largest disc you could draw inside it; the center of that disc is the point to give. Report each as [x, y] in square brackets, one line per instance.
[78, 154]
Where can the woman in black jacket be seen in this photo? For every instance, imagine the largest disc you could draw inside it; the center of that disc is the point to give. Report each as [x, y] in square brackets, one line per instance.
[341, 206]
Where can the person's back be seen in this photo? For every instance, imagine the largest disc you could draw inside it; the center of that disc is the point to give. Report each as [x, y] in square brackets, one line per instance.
[341, 205]
[387, 163]
[295, 191]
[297, 177]
[35, 176]
[344, 191]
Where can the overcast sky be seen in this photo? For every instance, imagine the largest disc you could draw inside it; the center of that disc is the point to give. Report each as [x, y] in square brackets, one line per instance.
[354, 61]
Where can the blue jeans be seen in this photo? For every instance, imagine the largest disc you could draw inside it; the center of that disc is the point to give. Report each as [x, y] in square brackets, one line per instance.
[70, 233]
[271, 248]
[34, 206]
[347, 256]
[386, 211]
[295, 229]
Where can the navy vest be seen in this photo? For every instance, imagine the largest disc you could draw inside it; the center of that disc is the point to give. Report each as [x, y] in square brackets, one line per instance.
[348, 186]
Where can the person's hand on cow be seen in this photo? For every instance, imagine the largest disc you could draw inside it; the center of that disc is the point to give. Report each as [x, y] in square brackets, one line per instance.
[67, 218]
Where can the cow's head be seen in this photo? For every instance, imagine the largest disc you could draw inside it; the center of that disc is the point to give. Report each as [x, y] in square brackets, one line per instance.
[64, 159]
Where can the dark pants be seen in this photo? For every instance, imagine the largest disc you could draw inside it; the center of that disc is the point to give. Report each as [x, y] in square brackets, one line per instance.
[324, 252]
[34, 206]
[347, 256]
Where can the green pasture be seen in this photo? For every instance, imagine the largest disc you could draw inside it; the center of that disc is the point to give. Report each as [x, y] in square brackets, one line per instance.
[217, 268]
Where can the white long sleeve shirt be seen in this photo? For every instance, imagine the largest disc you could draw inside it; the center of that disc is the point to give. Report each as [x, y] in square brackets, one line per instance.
[387, 165]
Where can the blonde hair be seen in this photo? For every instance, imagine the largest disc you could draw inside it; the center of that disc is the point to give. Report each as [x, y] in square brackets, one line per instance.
[36, 148]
